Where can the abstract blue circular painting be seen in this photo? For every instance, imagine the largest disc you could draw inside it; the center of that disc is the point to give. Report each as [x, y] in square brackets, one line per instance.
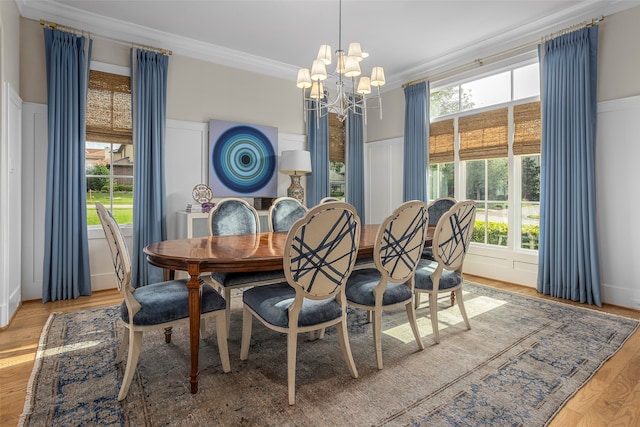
[243, 159]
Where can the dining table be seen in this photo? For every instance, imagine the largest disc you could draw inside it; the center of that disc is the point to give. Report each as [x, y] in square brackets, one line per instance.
[235, 253]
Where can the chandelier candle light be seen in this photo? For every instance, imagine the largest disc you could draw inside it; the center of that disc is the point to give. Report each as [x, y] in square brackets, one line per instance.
[353, 98]
[295, 163]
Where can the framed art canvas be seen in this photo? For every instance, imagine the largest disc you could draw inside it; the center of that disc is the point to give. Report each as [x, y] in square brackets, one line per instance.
[242, 159]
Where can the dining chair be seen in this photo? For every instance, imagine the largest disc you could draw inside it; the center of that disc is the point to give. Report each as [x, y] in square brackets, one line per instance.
[283, 212]
[436, 209]
[389, 285]
[319, 254]
[155, 306]
[233, 216]
[451, 240]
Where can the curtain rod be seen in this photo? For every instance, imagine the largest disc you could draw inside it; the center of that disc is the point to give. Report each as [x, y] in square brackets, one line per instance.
[55, 26]
[519, 49]
[585, 24]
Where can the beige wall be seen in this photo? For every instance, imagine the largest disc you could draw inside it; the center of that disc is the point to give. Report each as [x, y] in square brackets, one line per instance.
[618, 56]
[197, 91]
[33, 87]
[392, 123]
[10, 49]
[618, 73]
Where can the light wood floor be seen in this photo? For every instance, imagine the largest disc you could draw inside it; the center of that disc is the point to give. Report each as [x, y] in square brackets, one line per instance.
[610, 398]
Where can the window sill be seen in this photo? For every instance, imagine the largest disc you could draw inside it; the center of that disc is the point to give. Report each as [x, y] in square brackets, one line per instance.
[95, 231]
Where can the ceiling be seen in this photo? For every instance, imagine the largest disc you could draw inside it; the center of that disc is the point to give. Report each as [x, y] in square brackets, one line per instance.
[410, 39]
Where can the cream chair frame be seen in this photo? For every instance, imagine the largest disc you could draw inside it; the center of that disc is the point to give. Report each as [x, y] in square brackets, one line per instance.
[307, 252]
[451, 241]
[132, 337]
[397, 250]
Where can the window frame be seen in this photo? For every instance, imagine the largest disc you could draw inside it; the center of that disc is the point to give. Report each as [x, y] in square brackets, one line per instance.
[95, 231]
[514, 162]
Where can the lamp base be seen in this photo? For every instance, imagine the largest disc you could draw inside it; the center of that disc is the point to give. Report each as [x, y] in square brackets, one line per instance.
[295, 190]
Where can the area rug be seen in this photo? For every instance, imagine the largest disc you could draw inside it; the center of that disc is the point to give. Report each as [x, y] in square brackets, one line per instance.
[522, 360]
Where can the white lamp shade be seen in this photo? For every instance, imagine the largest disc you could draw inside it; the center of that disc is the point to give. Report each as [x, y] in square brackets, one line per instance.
[355, 50]
[318, 70]
[364, 86]
[304, 78]
[352, 67]
[317, 90]
[295, 162]
[377, 76]
[324, 54]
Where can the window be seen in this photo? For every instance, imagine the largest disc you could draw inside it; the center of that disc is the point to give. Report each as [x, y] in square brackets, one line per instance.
[484, 138]
[441, 155]
[109, 146]
[526, 148]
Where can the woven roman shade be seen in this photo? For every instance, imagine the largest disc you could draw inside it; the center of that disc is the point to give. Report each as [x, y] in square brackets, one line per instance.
[527, 128]
[336, 139]
[441, 142]
[484, 135]
[109, 108]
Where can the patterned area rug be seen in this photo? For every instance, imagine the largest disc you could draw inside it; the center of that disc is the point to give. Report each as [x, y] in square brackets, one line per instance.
[521, 361]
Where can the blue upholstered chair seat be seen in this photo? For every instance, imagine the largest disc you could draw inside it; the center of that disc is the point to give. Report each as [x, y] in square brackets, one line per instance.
[448, 280]
[272, 303]
[167, 302]
[360, 289]
[231, 280]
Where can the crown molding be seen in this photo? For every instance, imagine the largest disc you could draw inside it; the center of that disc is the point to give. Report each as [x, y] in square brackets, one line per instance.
[481, 52]
[517, 41]
[127, 33]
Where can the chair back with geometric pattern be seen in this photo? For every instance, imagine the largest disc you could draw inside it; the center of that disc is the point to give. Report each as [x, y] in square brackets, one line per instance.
[321, 250]
[284, 212]
[118, 248]
[233, 216]
[453, 234]
[400, 241]
[438, 207]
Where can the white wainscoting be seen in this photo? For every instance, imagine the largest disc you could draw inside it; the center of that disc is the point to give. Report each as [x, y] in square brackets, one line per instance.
[383, 166]
[186, 165]
[617, 201]
[10, 210]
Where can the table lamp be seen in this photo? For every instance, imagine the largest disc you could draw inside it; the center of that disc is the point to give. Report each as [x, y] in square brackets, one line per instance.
[295, 163]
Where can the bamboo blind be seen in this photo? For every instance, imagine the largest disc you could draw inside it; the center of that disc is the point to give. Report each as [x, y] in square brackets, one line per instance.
[484, 135]
[441, 142]
[336, 139]
[527, 128]
[109, 108]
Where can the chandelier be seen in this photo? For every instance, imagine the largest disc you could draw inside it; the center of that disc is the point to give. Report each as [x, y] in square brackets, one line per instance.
[351, 91]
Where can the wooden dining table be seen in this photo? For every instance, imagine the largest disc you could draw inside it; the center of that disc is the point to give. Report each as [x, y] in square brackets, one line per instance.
[238, 253]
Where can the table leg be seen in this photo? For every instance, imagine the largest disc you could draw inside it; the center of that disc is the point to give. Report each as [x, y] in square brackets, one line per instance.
[194, 284]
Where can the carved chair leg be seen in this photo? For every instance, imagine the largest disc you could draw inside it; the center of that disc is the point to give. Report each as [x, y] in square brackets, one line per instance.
[167, 334]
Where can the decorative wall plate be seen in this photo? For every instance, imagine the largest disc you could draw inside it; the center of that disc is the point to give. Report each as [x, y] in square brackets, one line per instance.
[202, 193]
